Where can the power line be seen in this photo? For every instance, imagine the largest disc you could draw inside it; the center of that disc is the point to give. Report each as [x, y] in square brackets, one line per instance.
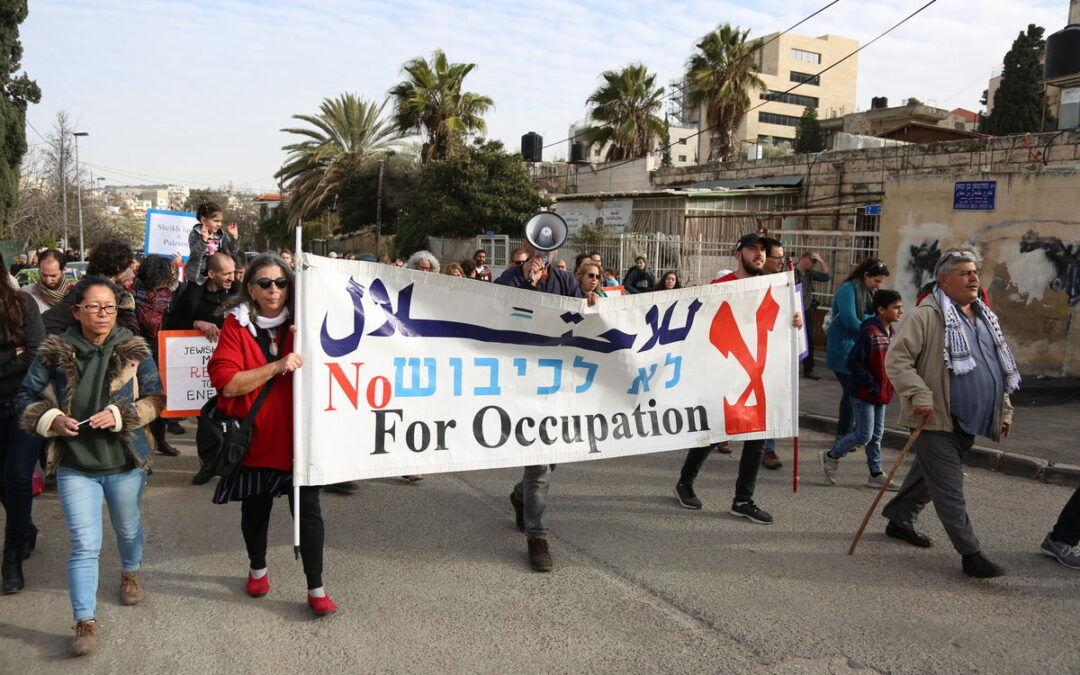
[790, 89]
[761, 46]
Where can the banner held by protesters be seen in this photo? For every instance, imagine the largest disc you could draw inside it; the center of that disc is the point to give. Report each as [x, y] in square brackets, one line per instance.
[428, 374]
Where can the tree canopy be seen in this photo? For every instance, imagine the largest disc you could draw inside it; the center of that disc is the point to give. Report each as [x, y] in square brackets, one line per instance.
[809, 136]
[431, 102]
[18, 91]
[625, 108]
[1020, 103]
[721, 75]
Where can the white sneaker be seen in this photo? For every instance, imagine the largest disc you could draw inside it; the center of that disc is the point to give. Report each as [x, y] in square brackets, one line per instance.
[877, 481]
[828, 466]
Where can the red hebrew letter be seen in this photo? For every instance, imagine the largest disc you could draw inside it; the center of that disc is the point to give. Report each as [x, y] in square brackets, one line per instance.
[724, 334]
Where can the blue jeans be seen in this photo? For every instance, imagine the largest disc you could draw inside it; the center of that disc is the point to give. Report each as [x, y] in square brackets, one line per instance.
[80, 497]
[869, 426]
[844, 423]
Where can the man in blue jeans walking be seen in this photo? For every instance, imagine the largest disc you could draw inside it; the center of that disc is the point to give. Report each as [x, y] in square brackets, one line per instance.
[530, 271]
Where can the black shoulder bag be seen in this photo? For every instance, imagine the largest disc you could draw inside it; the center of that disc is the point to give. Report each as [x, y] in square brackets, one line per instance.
[223, 441]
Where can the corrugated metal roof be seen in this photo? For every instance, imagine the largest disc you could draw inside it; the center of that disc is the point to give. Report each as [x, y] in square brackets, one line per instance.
[741, 183]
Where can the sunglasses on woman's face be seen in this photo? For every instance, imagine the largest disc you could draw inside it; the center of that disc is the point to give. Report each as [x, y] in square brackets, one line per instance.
[591, 275]
[264, 283]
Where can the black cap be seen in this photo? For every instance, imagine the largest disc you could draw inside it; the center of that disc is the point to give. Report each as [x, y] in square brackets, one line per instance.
[748, 240]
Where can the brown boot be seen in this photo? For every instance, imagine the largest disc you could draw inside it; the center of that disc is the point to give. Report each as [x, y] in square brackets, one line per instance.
[540, 556]
[131, 592]
[85, 637]
[771, 461]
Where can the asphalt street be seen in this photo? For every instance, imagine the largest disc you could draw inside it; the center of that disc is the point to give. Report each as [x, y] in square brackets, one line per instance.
[433, 577]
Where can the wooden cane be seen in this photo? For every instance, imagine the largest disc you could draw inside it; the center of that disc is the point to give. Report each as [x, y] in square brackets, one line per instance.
[885, 485]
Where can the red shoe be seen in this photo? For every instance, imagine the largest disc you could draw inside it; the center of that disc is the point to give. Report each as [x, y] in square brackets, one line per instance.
[321, 606]
[257, 588]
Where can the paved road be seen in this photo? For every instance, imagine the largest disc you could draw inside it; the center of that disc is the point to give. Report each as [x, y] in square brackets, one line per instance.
[432, 577]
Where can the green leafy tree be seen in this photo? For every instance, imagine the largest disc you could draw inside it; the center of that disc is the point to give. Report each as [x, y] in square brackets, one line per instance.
[358, 202]
[624, 108]
[431, 103]
[482, 189]
[1020, 103]
[913, 101]
[347, 132]
[808, 135]
[18, 91]
[721, 75]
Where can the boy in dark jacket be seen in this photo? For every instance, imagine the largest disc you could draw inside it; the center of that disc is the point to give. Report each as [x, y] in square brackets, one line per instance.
[870, 389]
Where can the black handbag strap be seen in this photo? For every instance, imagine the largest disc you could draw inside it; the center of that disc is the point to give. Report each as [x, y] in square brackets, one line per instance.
[249, 419]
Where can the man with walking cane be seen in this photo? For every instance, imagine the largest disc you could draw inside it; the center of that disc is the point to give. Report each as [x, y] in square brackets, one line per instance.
[954, 372]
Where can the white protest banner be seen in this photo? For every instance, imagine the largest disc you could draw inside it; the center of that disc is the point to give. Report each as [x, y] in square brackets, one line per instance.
[167, 232]
[413, 373]
[182, 356]
[617, 213]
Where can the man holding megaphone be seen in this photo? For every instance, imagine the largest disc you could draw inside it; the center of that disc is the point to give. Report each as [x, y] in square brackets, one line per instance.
[544, 232]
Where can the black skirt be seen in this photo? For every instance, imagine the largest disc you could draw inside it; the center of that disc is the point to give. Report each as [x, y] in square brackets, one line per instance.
[251, 481]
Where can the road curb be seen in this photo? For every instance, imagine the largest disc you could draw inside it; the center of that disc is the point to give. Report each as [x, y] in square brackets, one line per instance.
[1010, 463]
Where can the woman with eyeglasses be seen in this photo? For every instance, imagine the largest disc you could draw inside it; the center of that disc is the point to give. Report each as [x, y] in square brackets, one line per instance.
[669, 281]
[91, 392]
[852, 304]
[589, 276]
[254, 351]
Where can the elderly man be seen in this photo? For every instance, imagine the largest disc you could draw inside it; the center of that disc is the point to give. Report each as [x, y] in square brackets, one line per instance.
[811, 268]
[52, 284]
[954, 372]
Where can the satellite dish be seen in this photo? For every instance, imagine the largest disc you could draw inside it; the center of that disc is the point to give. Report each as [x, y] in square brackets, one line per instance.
[546, 231]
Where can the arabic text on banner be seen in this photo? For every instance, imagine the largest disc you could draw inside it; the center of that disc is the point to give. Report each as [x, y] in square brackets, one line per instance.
[415, 373]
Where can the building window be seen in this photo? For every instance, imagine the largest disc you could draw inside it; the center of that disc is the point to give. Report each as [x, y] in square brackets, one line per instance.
[794, 99]
[805, 78]
[682, 141]
[773, 118]
[682, 158]
[808, 57]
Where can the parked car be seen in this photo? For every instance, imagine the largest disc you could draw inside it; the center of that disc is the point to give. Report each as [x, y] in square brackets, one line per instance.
[73, 271]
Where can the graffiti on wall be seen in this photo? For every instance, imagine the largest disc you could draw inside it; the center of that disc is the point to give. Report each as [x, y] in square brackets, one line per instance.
[924, 259]
[1065, 259]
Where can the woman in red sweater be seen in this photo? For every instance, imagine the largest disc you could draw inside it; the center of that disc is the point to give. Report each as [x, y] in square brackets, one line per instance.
[255, 350]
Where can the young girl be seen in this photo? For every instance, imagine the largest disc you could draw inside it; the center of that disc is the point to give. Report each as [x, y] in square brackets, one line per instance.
[869, 388]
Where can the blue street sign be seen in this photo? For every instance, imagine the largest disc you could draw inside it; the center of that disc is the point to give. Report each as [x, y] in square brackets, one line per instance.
[873, 210]
[974, 195]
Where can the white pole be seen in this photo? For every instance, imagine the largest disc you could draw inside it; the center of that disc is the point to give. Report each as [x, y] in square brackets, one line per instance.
[298, 411]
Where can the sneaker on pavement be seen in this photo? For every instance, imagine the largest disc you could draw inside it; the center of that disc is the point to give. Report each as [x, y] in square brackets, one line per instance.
[85, 637]
[907, 534]
[519, 510]
[770, 461]
[976, 565]
[723, 447]
[1069, 556]
[257, 588]
[828, 466]
[131, 591]
[168, 449]
[174, 427]
[321, 606]
[540, 556]
[751, 512]
[202, 477]
[685, 494]
[877, 480]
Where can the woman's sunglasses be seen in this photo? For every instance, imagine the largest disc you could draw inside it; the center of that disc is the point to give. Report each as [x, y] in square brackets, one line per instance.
[264, 283]
[591, 275]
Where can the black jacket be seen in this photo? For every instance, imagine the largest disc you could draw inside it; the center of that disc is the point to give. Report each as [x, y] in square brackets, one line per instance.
[196, 303]
[14, 366]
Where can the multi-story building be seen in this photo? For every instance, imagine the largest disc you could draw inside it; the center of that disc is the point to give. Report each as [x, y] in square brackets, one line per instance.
[680, 140]
[785, 61]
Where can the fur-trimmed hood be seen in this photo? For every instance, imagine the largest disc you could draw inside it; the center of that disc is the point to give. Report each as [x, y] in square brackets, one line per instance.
[135, 392]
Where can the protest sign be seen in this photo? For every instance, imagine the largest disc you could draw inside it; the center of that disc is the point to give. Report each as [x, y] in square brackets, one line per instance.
[167, 232]
[183, 355]
[413, 373]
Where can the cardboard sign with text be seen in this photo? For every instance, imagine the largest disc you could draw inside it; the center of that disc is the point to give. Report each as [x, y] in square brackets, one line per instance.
[183, 355]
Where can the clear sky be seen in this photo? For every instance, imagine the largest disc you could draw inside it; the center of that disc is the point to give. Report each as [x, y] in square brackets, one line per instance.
[197, 92]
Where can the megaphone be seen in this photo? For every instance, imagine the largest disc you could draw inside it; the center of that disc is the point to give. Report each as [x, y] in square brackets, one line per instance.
[546, 231]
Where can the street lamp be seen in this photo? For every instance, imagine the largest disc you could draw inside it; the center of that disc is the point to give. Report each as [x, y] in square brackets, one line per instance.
[78, 193]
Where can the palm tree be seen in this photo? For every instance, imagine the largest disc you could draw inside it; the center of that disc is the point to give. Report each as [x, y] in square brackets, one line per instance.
[625, 106]
[721, 75]
[431, 102]
[347, 131]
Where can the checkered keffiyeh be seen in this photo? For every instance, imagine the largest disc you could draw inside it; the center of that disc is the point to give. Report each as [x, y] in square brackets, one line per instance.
[957, 352]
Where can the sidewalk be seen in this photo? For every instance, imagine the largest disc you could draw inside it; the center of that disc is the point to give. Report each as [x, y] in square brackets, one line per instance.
[1043, 443]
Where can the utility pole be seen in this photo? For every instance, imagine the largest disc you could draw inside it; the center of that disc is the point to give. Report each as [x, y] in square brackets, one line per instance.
[378, 211]
[63, 188]
[78, 194]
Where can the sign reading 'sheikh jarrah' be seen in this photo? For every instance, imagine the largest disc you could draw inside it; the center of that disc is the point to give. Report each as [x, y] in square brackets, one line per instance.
[415, 373]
